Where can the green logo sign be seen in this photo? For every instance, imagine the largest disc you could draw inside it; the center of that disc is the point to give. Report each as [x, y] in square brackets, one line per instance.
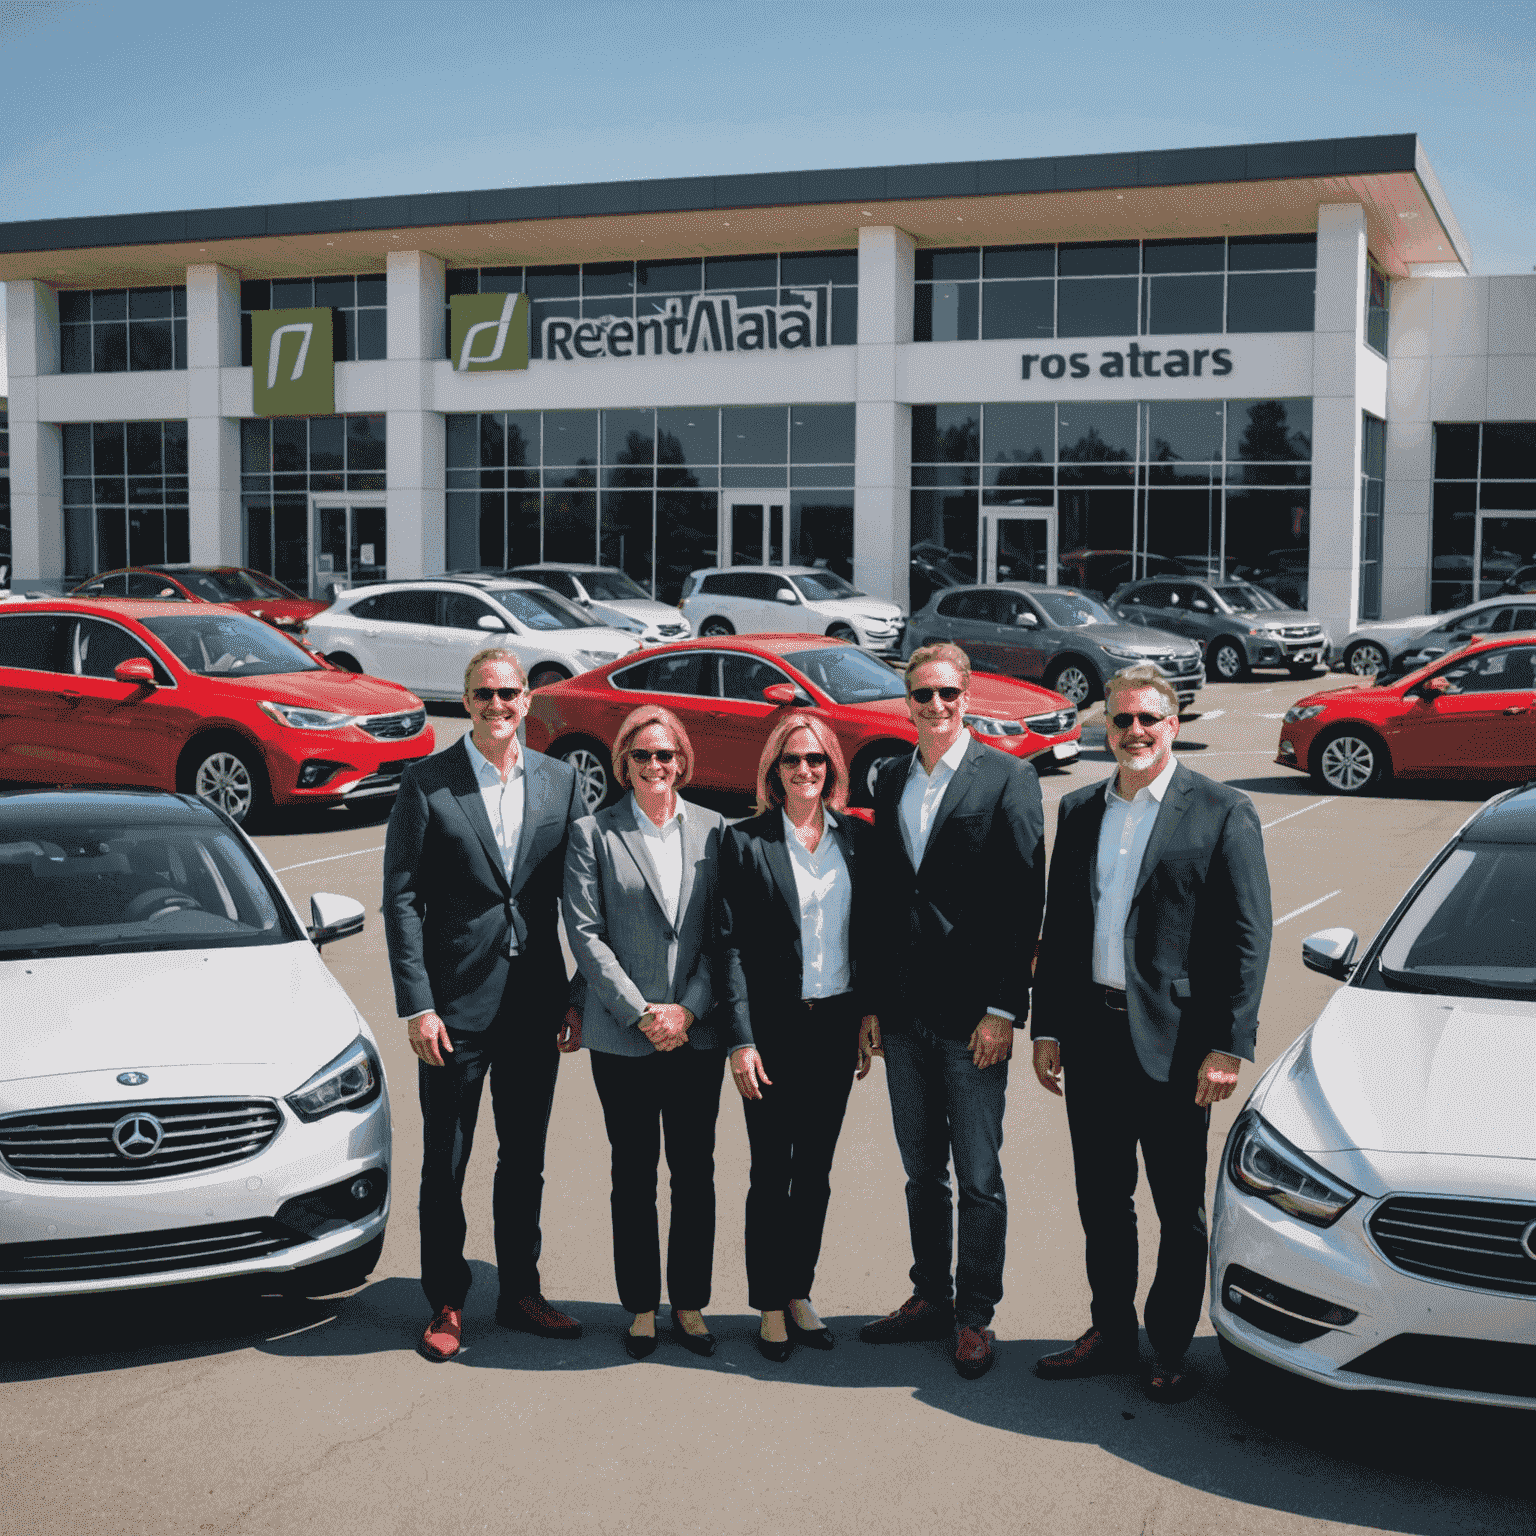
[292, 365]
[489, 331]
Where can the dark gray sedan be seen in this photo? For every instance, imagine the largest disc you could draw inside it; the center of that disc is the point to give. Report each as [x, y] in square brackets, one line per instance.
[1065, 638]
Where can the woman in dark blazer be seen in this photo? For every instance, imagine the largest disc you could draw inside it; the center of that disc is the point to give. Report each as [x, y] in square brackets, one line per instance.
[639, 907]
[787, 981]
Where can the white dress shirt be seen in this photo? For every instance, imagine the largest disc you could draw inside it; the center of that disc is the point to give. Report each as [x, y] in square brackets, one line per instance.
[664, 844]
[1123, 838]
[825, 889]
[503, 799]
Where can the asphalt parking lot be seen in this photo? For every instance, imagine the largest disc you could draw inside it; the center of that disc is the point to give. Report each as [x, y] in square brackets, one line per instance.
[192, 1411]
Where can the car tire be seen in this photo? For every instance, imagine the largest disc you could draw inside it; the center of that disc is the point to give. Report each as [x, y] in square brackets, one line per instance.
[712, 629]
[1226, 659]
[343, 1273]
[843, 632]
[543, 676]
[1074, 680]
[861, 785]
[228, 773]
[595, 783]
[1366, 659]
[345, 662]
[1348, 760]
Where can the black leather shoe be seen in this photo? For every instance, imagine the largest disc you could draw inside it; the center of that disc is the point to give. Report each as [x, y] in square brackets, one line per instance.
[694, 1343]
[639, 1346]
[810, 1338]
[913, 1320]
[1094, 1354]
[769, 1350]
[532, 1314]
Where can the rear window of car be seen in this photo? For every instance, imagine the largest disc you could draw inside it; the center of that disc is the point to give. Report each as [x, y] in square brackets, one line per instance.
[220, 643]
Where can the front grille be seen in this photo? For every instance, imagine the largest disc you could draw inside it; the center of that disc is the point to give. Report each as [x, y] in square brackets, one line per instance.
[1476, 1243]
[1458, 1365]
[1304, 632]
[142, 1253]
[76, 1145]
[1176, 666]
[395, 727]
[1049, 725]
[669, 630]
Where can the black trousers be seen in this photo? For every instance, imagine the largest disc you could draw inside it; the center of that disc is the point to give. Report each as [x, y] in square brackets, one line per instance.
[1113, 1107]
[522, 1066]
[793, 1131]
[676, 1095]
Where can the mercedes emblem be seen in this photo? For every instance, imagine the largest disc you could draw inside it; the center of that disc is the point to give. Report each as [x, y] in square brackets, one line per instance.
[132, 1079]
[137, 1136]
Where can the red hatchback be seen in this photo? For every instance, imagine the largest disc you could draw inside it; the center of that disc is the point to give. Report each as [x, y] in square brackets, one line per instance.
[197, 699]
[1467, 716]
[234, 586]
[727, 692]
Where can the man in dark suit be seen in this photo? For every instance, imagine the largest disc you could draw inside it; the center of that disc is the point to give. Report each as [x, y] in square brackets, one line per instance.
[948, 913]
[1157, 932]
[473, 866]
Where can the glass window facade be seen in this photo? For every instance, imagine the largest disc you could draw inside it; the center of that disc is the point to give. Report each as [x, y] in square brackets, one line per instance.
[640, 489]
[125, 495]
[1484, 518]
[826, 283]
[122, 330]
[1115, 288]
[1373, 494]
[1378, 303]
[1213, 487]
[282, 460]
[358, 332]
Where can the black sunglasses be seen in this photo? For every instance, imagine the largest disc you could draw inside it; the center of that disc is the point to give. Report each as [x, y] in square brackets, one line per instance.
[810, 759]
[1142, 718]
[506, 695]
[640, 756]
[923, 695]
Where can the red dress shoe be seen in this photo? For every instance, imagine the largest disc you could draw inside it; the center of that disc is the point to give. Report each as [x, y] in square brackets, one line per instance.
[532, 1314]
[974, 1355]
[1092, 1355]
[914, 1319]
[443, 1335]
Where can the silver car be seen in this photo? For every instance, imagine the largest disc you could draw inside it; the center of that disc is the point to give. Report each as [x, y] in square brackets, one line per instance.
[612, 597]
[1060, 636]
[1395, 646]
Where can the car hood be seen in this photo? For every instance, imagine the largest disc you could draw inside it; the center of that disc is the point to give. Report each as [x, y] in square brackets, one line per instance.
[614, 641]
[347, 692]
[273, 1013]
[1138, 638]
[1389, 1075]
[280, 607]
[1397, 629]
[641, 610]
[857, 607]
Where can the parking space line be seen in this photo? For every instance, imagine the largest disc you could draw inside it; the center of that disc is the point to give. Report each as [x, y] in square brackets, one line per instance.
[1299, 910]
[1265, 826]
[330, 858]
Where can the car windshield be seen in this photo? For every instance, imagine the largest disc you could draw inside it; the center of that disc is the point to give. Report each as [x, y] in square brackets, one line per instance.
[1261, 600]
[233, 586]
[848, 675]
[215, 644]
[1243, 598]
[613, 587]
[1471, 929]
[1072, 610]
[819, 586]
[541, 609]
[103, 884]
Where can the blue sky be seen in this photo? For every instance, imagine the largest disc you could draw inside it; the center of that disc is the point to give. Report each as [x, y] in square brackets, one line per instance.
[151, 105]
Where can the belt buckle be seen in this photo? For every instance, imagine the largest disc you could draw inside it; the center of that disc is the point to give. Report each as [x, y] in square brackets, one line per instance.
[1115, 1001]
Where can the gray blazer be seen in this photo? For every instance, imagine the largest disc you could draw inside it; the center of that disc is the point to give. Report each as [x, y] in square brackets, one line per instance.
[628, 949]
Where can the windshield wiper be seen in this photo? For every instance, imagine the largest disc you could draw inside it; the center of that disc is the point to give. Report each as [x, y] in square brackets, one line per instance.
[1442, 985]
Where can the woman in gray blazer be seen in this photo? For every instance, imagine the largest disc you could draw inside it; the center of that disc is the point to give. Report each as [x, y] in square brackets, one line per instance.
[639, 901]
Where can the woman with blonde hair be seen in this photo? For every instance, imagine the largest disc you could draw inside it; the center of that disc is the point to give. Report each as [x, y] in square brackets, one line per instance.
[787, 984]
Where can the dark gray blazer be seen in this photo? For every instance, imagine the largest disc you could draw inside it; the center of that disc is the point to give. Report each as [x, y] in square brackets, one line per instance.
[628, 949]
[449, 909]
[1196, 938]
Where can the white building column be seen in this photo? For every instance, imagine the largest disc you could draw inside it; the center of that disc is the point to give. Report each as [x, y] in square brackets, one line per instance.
[213, 439]
[37, 518]
[417, 436]
[1405, 552]
[882, 506]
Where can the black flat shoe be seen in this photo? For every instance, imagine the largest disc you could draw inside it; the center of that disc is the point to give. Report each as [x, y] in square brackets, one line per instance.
[639, 1346]
[769, 1350]
[694, 1343]
[811, 1338]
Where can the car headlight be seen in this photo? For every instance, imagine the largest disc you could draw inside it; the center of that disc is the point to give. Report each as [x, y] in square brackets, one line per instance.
[1121, 653]
[303, 719]
[598, 658]
[1262, 1162]
[1303, 712]
[353, 1079]
[988, 725]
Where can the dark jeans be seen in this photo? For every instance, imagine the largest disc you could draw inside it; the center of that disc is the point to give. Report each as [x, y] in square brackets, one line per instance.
[522, 1067]
[942, 1105]
[675, 1094]
[793, 1132]
[1112, 1107]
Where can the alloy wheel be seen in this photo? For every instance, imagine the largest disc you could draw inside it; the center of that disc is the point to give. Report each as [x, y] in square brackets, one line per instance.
[224, 780]
[1347, 764]
[592, 775]
[1367, 659]
[1073, 684]
[1228, 661]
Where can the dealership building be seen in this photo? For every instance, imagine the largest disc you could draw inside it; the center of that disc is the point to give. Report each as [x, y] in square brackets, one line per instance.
[1259, 361]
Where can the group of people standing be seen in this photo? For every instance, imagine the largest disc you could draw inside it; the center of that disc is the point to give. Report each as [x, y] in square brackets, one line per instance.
[793, 948]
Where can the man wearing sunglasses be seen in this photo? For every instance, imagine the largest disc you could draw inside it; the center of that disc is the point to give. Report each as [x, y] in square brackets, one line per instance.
[947, 913]
[1152, 962]
[473, 866]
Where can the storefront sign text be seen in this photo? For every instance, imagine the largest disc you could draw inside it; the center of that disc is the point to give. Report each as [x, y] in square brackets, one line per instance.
[708, 323]
[1134, 360]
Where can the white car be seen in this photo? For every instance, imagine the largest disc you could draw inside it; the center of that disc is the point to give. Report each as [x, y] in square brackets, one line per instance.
[186, 1093]
[1399, 645]
[613, 597]
[423, 633]
[1374, 1226]
[789, 599]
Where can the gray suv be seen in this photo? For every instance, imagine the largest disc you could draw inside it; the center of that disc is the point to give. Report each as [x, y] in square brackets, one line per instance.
[1237, 625]
[1060, 636]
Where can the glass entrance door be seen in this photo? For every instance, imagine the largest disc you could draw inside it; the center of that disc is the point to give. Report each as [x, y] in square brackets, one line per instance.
[754, 527]
[1505, 552]
[1018, 546]
[346, 545]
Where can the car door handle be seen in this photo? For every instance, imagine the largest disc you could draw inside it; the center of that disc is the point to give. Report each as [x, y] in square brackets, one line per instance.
[71, 698]
[1516, 709]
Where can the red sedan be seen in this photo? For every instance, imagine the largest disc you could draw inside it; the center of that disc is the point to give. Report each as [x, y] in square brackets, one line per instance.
[194, 698]
[727, 691]
[234, 586]
[1467, 716]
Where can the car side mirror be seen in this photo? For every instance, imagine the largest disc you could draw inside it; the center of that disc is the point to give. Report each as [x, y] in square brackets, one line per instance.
[490, 621]
[137, 670]
[1200, 605]
[781, 693]
[333, 917]
[1330, 951]
[784, 595]
[1025, 620]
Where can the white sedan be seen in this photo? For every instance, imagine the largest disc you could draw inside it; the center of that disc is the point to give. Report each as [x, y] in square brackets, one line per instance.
[1374, 1223]
[186, 1093]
